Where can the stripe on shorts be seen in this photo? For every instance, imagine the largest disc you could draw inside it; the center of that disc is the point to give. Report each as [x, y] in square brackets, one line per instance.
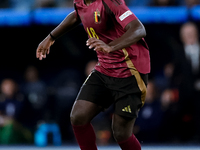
[135, 72]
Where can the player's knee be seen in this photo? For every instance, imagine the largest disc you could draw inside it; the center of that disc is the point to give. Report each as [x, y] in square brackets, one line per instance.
[77, 119]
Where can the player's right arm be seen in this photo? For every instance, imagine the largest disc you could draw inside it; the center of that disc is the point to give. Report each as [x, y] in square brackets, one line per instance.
[66, 25]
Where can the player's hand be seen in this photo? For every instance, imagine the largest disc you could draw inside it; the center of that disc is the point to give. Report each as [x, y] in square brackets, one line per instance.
[98, 45]
[44, 48]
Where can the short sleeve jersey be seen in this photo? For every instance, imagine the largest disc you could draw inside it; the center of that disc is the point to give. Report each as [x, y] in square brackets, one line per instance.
[106, 20]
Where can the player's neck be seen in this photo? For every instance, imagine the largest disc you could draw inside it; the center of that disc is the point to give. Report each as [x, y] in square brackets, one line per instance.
[88, 2]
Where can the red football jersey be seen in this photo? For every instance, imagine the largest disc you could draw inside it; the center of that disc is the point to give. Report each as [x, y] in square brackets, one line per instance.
[101, 24]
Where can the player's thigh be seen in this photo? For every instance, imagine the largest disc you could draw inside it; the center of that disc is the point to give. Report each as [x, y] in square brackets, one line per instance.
[83, 112]
[94, 89]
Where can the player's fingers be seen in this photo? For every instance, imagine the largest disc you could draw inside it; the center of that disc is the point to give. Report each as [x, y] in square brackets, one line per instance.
[37, 53]
[40, 57]
[103, 48]
[44, 51]
[41, 53]
[95, 43]
[90, 41]
[92, 46]
[44, 56]
[98, 48]
[48, 51]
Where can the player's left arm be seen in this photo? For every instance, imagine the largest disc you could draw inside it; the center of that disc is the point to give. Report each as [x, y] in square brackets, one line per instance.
[135, 31]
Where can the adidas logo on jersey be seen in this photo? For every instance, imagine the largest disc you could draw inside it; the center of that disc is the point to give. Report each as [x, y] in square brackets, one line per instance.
[127, 109]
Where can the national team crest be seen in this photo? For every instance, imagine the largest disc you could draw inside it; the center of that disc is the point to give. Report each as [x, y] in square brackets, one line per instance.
[97, 16]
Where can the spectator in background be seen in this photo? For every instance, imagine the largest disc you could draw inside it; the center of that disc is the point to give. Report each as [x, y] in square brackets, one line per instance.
[190, 38]
[191, 3]
[189, 34]
[163, 3]
[34, 90]
[45, 3]
[165, 78]
[187, 67]
[188, 57]
[150, 116]
[11, 103]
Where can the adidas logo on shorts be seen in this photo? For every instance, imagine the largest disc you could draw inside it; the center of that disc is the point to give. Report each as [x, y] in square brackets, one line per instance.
[127, 109]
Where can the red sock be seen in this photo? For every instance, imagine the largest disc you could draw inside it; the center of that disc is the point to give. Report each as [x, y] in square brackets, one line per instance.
[85, 136]
[130, 144]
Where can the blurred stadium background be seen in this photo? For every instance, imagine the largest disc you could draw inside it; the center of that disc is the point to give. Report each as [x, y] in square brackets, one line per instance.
[101, 148]
[36, 96]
